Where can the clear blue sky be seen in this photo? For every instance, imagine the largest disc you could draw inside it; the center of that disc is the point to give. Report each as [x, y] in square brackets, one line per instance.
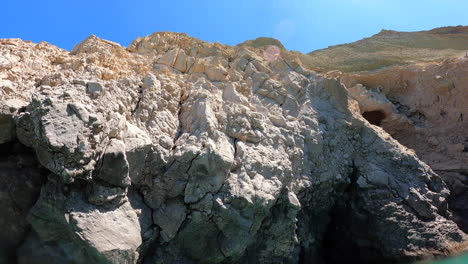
[303, 25]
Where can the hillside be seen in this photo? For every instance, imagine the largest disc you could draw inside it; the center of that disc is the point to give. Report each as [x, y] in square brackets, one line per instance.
[261, 42]
[389, 48]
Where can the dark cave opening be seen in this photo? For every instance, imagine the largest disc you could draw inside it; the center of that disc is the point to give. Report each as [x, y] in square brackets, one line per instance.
[374, 117]
[458, 200]
[347, 239]
[344, 244]
[21, 178]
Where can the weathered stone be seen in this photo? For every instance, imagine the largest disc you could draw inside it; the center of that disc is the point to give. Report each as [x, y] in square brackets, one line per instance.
[150, 82]
[36, 251]
[7, 127]
[58, 135]
[7, 86]
[114, 167]
[137, 147]
[80, 111]
[240, 157]
[99, 195]
[88, 233]
[8, 110]
[79, 82]
[94, 88]
[115, 234]
[423, 108]
[182, 62]
[169, 58]
[208, 172]
[169, 218]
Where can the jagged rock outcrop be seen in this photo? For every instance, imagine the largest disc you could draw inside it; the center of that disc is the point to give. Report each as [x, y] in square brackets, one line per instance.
[181, 151]
[424, 107]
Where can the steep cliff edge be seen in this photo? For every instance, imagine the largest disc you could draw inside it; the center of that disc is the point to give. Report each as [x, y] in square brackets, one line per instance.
[424, 107]
[180, 151]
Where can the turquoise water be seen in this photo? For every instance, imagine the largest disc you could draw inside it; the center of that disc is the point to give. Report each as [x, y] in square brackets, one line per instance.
[463, 259]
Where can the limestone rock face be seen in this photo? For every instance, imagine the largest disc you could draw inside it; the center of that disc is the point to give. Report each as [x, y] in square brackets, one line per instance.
[7, 125]
[181, 151]
[425, 108]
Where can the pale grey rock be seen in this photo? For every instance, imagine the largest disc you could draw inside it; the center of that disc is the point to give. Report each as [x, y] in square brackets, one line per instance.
[7, 61]
[218, 157]
[231, 95]
[98, 194]
[53, 80]
[8, 110]
[51, 237]
[150, 82]
[25, 129]
[84, 232]
[183, 62]
[94, 88]
[80, 111]
[7, 86]
[115, 234]
[79, 82]
[428, 114]
[208, 171]
[59, 137]
[113, 167]
[169, 58]
[169, 218]
[137, 147]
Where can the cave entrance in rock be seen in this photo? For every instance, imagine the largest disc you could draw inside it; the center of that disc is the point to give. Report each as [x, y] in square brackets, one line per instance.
[21, 178]
[343, 240]
[347, 239]
[374, 117]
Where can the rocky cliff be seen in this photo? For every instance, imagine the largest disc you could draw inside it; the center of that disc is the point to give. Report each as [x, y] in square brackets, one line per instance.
[175, 150]
[424, 107]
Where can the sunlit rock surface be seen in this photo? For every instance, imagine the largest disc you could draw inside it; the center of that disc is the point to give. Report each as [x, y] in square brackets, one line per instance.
[175, 150]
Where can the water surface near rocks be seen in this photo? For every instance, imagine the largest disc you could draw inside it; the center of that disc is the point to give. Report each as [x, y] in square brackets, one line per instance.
[462, 259]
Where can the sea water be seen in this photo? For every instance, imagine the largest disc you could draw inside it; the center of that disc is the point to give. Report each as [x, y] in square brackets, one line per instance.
[463, 259]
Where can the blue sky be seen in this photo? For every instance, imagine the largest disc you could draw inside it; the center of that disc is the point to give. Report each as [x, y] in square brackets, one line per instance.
[300, 25]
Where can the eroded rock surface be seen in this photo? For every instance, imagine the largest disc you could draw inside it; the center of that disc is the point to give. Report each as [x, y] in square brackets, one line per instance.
[181, 151]
[425, 108]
